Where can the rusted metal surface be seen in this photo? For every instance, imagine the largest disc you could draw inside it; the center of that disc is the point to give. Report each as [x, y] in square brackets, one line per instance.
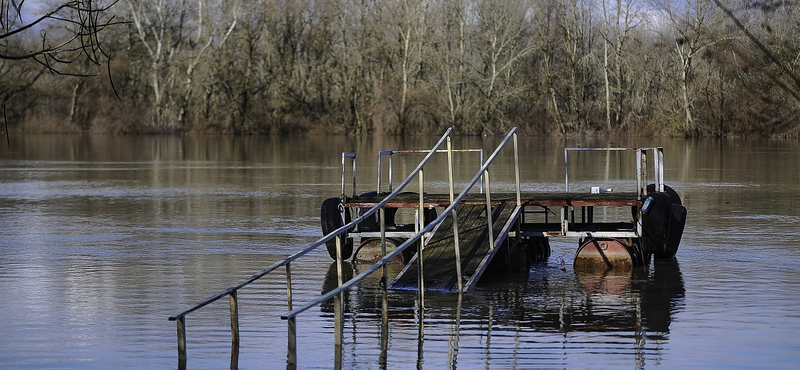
[621, 199]
[604, 253]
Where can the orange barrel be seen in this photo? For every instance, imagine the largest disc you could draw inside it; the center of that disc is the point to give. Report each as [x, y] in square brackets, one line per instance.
[604, 253]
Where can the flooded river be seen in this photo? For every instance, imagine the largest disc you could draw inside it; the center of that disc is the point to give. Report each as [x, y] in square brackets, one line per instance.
[102, 238]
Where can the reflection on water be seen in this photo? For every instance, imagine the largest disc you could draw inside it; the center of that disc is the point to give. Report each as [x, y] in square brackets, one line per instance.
[638, 304]
[103, 238]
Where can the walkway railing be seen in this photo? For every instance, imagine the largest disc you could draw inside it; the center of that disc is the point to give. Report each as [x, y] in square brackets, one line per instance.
[339, 235]
[483, 173]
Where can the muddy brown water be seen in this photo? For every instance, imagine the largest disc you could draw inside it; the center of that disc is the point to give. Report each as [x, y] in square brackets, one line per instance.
[102, 238]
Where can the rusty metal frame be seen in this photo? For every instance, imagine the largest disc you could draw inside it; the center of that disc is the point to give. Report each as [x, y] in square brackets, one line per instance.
[344, 167]
[641, 188]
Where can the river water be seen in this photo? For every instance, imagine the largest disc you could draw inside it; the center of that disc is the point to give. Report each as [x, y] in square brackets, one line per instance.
[102, 238]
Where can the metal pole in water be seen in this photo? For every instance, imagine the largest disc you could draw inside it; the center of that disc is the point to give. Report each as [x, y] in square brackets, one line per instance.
[385, 297]
[456, 244]
[516, 170]
[181, 322]
[291, 356]
[291, 353]
[289, 285]
[233, 298]
[421, 225]
[337, 302]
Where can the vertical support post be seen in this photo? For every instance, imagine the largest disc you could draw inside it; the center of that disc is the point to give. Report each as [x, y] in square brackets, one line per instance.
[640, 191]
[516, 170]
[233, 298]
[421, 246]
[354, 174]
[660, 168]
[289, 285]
[380, 171]
[454, 215]
[566, 169]
[385, 270]
[384, 296]
[643, 169]
[291, 352]
[481, 165]
[344, 155]
[337, 301]
[391, 168]
[489, 220]
[344, 172]
[181, 322]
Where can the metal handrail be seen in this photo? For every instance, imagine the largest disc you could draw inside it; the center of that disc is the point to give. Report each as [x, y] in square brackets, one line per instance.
[231, 292]
[641, 165]
[390, 154]
[399, 249]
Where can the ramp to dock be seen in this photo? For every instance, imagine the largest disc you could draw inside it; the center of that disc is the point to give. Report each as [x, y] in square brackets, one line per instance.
[438, 255]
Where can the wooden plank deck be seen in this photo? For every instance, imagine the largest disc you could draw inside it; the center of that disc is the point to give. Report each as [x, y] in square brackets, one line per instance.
[439, 252]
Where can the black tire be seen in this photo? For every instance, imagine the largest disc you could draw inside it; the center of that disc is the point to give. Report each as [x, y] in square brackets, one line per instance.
[674, 198]
[331, 219]
[663, 227]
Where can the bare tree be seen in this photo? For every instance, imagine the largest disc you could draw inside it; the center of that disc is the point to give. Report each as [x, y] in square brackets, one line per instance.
[690, 32]
[620, 17]
[502, 41]
[54, 35]
[405, 40]
[449, 59]
[177, 36]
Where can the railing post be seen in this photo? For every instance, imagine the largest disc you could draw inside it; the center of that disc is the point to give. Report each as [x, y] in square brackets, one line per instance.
[344, 155]
[516, 170]
[641, 167]
[385, 270]
[354, 174]
[660, 167]
[291, 352]
[456, 244]
[233, 298]
[344, 172]
[489, 220]
[380, 171]
[421, 225]
[391, 168]
[337, 302]
[566, 170]
[289, 285]
[181, 322]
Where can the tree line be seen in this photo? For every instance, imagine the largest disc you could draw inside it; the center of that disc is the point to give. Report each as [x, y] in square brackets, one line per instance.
[645, 67]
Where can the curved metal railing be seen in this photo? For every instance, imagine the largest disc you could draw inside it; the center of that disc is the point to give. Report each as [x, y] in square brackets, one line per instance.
[232, 292]
[339, 235]
[483, 173]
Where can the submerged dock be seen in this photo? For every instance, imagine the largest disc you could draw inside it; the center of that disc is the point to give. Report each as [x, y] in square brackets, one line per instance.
[456, 238]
